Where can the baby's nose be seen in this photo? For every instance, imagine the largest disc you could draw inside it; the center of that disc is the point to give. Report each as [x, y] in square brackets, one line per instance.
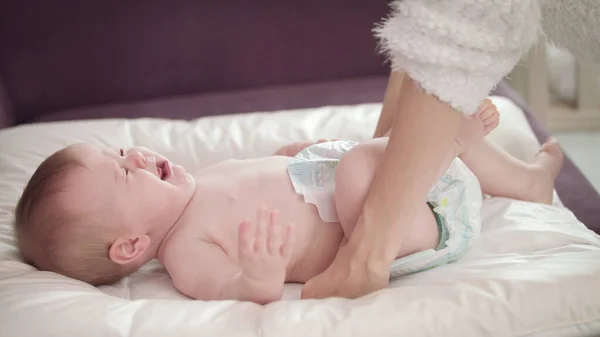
[136, 159]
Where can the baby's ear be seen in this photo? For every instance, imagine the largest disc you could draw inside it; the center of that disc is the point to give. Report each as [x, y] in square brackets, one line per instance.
[127, 249]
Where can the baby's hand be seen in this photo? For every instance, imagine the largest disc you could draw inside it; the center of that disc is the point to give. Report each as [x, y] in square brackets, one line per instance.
[263, 252]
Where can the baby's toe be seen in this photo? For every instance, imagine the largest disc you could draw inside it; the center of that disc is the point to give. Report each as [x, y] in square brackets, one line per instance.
[490, 127]
[491, 117]
[485, 114]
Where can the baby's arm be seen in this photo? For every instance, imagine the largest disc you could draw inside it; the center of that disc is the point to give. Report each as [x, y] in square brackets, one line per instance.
[258, 275]
[212, 275]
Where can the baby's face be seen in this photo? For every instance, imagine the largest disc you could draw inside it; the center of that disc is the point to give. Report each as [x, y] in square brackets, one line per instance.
[139, 186]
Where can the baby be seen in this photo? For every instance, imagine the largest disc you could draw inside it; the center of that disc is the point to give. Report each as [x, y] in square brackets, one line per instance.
[98, 214]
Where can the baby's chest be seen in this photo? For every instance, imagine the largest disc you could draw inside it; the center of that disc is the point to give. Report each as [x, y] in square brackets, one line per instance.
[218, 208]
[238, 194]
[222, 207]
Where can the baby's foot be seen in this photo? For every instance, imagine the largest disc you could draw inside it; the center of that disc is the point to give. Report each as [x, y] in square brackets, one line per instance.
[546, 167]
[477, 126]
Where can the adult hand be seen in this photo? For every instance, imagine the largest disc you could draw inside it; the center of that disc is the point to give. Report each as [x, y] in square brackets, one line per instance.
[349, 276]
[359, 268]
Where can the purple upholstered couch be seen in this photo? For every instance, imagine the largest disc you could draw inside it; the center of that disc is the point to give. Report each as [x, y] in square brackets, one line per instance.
[70, 59]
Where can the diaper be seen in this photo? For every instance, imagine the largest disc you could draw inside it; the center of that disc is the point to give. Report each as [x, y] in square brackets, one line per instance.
[312, 172]
[455, 201]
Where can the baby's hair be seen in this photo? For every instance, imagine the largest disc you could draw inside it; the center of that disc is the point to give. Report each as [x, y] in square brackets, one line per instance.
[53, 237]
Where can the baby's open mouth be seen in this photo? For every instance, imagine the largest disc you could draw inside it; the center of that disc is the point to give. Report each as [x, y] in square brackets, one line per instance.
[164, 170]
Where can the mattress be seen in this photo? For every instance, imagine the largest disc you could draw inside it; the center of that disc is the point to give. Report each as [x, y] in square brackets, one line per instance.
[534, 270]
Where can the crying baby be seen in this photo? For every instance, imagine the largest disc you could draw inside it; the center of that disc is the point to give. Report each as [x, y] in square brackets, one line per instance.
[237, 229]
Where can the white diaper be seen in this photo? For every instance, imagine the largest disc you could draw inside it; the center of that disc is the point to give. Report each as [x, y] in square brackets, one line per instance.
[312, 172]
[456, 201]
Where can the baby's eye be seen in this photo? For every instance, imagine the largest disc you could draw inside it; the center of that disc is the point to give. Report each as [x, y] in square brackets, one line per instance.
[122, 153]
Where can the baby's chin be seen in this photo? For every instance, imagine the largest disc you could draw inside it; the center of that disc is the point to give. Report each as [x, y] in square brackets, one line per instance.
[191, 181]
[180, 176]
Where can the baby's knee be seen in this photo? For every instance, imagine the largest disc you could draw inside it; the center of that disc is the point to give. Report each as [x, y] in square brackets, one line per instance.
[365, 156]
[356, 168]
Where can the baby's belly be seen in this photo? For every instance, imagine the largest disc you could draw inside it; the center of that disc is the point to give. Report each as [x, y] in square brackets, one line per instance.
[240, 198]
[317, 242]
[316, 249]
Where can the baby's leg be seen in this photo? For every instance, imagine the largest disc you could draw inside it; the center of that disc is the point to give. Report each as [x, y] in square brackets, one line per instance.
[354, 176]
[499, 173]
[503, 175]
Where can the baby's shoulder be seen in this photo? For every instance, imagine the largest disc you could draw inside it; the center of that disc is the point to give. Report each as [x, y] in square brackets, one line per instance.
[177, 258]
[181, 247]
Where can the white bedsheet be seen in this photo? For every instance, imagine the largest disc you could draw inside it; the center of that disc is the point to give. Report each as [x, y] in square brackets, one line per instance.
[534, 271]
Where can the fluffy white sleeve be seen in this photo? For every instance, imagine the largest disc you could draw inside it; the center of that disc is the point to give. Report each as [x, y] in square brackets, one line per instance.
[458, 50]
[574, 25]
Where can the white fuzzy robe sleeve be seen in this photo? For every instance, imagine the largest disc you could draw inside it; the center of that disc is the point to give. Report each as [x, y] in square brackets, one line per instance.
[574, 25]
[458, 50]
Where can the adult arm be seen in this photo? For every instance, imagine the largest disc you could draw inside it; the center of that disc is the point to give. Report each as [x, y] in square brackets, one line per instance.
[452, 52]
[412, 162]
[384, 124]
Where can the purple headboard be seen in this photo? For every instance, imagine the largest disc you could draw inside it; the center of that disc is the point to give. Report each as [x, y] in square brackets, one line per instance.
[60, 55]
[74, 59]
[6, 111]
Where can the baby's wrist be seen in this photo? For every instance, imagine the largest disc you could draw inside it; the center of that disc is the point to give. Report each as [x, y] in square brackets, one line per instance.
[261, 282]
[260, 290]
